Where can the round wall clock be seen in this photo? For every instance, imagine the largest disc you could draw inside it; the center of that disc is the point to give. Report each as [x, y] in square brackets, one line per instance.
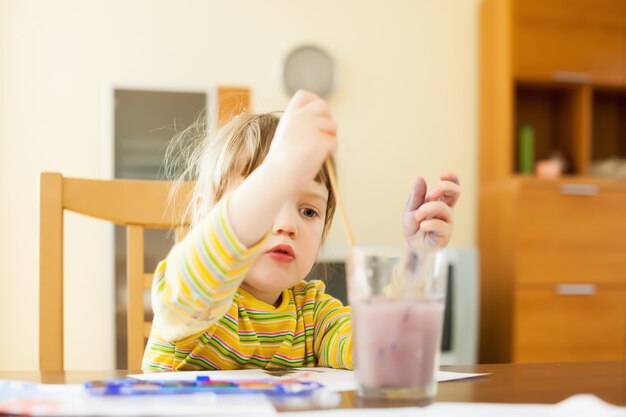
[309, 68]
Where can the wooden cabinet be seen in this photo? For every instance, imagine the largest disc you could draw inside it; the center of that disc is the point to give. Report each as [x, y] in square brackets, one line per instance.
[553, 251]
[569, 299]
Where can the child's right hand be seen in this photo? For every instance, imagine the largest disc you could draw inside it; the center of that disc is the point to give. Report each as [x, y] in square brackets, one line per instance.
[304, 138]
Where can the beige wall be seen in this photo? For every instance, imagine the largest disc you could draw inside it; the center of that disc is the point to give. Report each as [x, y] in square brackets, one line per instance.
[406, 106]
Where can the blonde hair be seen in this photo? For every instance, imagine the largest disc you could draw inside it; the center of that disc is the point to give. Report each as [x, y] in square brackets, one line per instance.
[212, 161]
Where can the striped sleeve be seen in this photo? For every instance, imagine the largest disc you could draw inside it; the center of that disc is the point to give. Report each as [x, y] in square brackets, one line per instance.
[194, 286]
[332, 332]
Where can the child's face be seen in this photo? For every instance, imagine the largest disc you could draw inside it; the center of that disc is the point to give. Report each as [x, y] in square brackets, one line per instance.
[290, 250]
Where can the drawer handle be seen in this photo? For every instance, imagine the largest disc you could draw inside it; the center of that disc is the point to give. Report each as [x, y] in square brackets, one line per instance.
[571, 77]
[578, 189]
[575, 289]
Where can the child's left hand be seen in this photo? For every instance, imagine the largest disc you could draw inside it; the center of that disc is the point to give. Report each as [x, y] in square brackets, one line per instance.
[428, 216]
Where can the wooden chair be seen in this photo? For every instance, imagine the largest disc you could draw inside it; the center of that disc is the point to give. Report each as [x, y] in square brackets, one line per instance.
[134, 203]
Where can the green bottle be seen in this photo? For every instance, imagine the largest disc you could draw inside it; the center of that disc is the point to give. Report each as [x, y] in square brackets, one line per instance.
[526, 152]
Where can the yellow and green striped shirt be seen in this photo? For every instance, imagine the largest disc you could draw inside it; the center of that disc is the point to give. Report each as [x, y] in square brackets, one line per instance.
[203, 320]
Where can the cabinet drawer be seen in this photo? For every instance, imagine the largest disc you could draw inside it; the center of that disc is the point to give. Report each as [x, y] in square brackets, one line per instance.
[565, 237]
[549, 327]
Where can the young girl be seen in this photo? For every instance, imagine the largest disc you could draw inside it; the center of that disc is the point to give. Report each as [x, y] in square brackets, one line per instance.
[231, 294]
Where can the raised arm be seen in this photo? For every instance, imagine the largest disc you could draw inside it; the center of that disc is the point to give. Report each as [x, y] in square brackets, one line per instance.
[304, 138]
[196, 283]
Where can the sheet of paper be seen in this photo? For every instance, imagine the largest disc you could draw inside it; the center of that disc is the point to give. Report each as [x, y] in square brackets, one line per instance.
[335, 380]
[72, 400]
[443, 376]
[583, 405]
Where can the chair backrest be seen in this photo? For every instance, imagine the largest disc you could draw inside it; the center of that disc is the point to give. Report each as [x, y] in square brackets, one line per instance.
[136, 204]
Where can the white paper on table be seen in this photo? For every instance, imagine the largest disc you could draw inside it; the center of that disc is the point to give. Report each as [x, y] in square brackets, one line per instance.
[443, 376]
[22, 398]
[581, 405]
[334, 380]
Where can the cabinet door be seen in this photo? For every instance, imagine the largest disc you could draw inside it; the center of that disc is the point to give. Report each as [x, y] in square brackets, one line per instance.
[575, 326]
[570, 232]
[549, 51]
[608, 14]
[570, 40]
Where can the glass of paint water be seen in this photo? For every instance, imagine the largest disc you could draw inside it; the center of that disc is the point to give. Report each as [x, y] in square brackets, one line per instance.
[397, 319]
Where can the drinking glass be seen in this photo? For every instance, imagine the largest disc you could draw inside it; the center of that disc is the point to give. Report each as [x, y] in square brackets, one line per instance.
[397, 317]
